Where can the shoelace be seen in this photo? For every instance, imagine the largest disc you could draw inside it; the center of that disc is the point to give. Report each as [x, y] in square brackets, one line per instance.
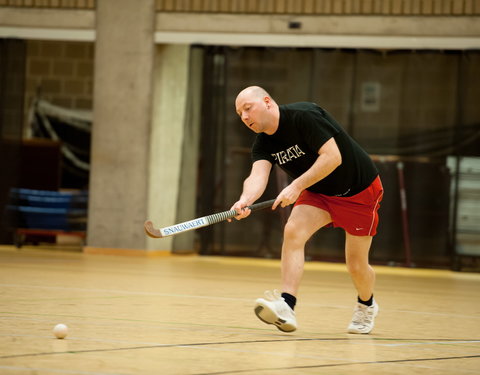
[273, 296]
[281, 306]
[362, 315]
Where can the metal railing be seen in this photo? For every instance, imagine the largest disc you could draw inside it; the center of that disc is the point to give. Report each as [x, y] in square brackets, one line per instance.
[54, 4]
[296, 7]
[326, 7]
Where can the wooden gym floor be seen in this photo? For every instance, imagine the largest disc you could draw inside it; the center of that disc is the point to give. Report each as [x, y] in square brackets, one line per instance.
[193, 315]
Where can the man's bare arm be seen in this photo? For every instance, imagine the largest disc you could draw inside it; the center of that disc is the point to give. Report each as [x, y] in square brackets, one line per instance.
[253, 187]
[329, 158]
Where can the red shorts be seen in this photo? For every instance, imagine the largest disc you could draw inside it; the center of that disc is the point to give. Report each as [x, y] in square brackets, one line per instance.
[357, 214]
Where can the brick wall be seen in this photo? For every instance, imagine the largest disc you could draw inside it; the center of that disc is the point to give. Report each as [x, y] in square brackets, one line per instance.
[62, 72]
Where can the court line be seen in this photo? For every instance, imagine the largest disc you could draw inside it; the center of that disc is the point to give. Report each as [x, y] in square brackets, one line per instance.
[182, 325]
[215, 343]
[53, 370]
[10, 315]
[239, 330]
[178, 295]
[316, 357]
[375, 341]
[126, 292]
[204, 347]
[255, 370]
[433, 343]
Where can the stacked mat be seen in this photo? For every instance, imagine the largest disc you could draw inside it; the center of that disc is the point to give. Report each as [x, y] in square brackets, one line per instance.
[47, 210]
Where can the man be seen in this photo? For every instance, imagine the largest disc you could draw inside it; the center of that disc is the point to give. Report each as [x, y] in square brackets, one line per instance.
[335, 183]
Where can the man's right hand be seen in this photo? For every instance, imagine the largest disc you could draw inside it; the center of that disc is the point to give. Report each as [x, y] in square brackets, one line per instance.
[242, 208]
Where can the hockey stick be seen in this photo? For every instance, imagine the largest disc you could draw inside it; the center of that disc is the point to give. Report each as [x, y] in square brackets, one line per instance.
[204, 221]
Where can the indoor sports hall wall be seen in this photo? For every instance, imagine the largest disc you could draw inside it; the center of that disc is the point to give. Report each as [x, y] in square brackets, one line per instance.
[394, 101]
[60, 73]
[414, 107]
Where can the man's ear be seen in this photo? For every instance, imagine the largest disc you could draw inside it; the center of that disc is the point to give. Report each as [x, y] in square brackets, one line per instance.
[266, 99]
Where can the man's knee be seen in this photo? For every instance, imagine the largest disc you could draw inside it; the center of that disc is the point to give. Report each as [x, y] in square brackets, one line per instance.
[357, 266]
[294, 232]
[353, 268]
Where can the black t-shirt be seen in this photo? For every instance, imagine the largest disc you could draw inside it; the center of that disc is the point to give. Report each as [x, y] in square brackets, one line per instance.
[303, 129]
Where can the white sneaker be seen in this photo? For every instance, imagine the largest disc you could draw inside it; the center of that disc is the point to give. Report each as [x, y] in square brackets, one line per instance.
[363, 318]
[274, 310]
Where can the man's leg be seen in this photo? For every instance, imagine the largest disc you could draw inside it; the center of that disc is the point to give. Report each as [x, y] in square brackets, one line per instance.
[303, 222]
[356, 255]
[278, 310]
[363, 277]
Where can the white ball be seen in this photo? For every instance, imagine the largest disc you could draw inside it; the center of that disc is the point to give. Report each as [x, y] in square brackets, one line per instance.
[60, 331]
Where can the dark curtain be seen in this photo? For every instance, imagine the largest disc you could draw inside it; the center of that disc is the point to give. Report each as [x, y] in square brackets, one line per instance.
[409, 109]
[12, 88]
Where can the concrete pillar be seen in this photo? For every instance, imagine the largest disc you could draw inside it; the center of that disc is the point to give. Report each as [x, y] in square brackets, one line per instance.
[174, 143]
[124, 57]
[187, 202]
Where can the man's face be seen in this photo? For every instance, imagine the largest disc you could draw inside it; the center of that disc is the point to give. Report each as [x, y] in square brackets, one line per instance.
[252, 111]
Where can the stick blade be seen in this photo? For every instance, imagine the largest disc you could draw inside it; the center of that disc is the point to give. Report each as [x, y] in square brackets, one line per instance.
[151, 231]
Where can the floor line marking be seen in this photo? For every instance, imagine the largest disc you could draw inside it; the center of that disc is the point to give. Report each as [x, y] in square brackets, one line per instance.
[185, 345]
[394, 361]
[178, 295]
[53, 370]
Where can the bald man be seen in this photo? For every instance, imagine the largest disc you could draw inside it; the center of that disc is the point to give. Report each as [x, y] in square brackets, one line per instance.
[334, 183]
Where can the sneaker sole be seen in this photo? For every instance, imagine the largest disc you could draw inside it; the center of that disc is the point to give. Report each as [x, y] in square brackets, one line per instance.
[358, 332]
[266, 315]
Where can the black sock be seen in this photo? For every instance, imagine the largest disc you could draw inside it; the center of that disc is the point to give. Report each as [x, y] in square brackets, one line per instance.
[290, 300]
[367, 303]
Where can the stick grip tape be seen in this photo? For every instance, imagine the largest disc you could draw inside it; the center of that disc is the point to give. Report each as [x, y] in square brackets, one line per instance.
[221, 216]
